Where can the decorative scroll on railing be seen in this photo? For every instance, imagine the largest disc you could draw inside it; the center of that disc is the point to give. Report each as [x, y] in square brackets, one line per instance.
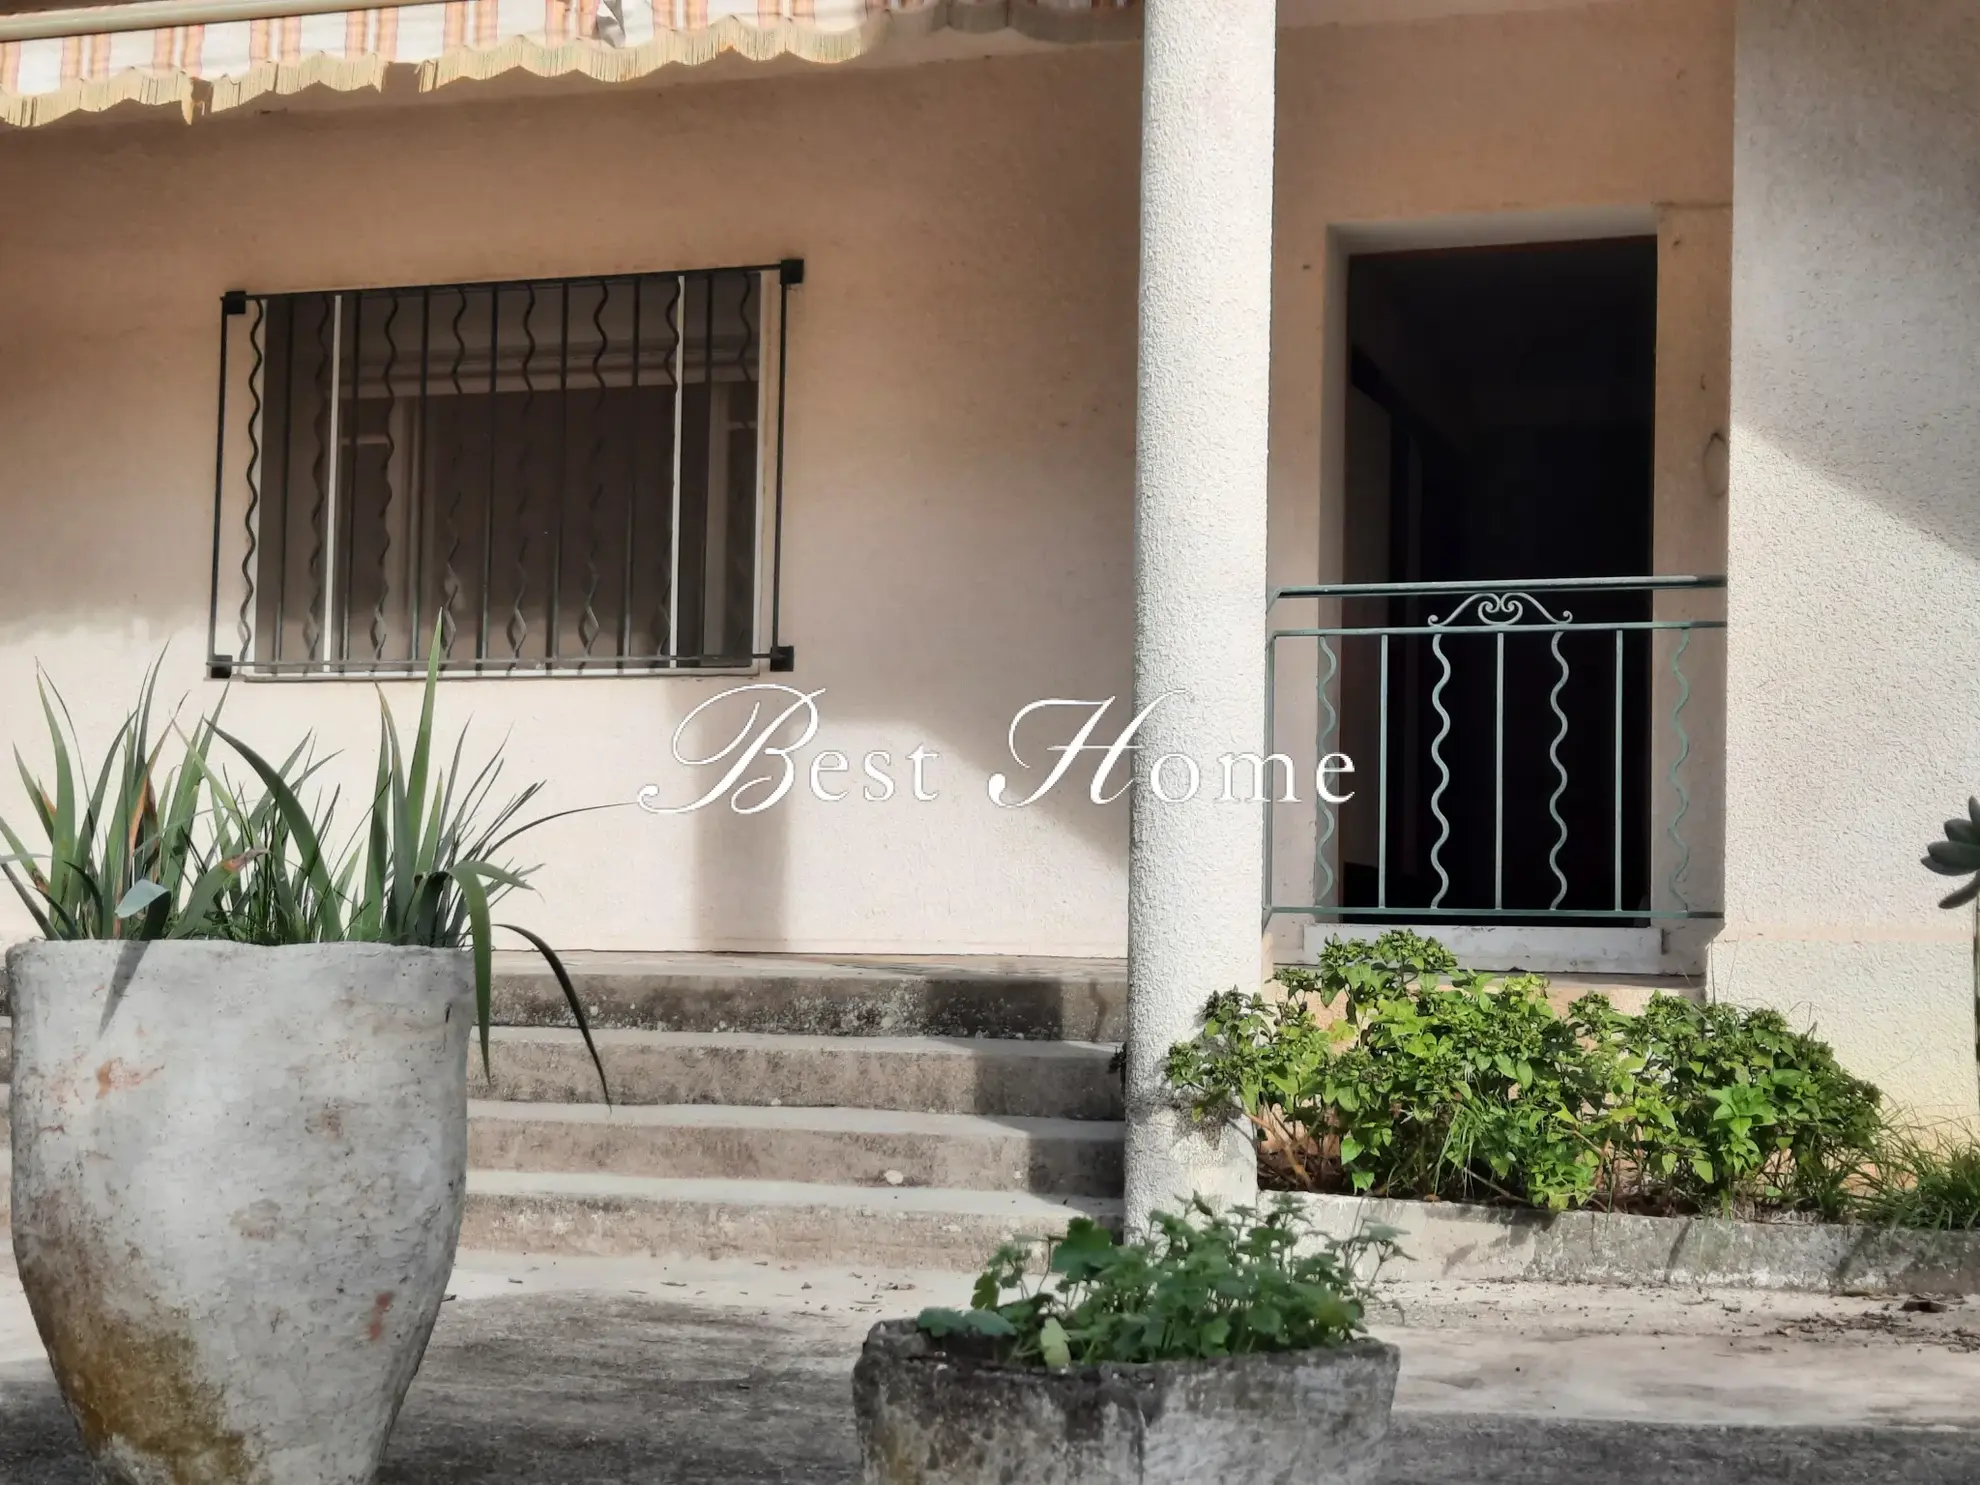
[1519, 751]
[555, 475]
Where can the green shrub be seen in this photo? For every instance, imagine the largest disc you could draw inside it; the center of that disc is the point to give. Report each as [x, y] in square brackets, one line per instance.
[1203, 1284]
[1437, 1082]
[1723, 1109]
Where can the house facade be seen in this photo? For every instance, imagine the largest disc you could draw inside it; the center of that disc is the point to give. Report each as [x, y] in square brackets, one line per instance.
[1562, 411]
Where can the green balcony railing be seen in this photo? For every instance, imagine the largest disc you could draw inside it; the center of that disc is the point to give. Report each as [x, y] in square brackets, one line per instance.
[1536, 747]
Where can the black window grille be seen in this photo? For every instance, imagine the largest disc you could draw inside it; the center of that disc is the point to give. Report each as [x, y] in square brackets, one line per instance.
[561, 475]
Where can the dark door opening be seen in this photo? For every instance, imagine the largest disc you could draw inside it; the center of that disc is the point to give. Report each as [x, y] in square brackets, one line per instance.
[1500, 426]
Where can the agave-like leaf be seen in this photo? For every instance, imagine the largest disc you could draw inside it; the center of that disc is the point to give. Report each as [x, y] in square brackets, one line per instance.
[206, 892]
[475, 894]
[288, 903]
[93, 904]
[67, 925]
[473, 799]
[93, 815]
[28, 901]
[570, 997]
[93, 811]
[368, 915]
[44, 807]
[62, 830]
[22, 856]
[424, 922]
[422, 752]
[182, 808]
[134, 797]
[404, 806]
[328, 923]
[437, 822]
[580, 809]
[141, 897]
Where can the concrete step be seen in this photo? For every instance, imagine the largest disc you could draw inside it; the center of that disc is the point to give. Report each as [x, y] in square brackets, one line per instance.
[936, 1075]
[964, 996]
[808, 995]
[844, 1147]
[771, 1221]
[923, 1075]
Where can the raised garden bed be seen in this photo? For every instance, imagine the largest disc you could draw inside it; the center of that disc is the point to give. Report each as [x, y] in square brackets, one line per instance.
[1459, 1241]
[1511, 1139]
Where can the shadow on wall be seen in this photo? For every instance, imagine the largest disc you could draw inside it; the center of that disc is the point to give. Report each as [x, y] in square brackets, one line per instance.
[1858, 299]
[1855, 558]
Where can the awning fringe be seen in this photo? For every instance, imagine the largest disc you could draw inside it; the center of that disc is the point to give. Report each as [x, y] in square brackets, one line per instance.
[215, 68]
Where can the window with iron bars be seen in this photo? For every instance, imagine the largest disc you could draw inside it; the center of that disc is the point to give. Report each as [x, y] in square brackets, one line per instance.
[566, 475]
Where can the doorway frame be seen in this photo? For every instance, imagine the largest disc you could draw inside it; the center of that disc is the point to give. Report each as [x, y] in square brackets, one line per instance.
[1672, 950]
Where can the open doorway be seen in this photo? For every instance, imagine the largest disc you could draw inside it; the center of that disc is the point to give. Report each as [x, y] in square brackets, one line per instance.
[1500, 426]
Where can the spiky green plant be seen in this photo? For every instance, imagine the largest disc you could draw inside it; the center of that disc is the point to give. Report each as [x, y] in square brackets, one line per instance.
[184, 853]
[425, 865]
[260, 906]
[1924, 1178]
[131, 857]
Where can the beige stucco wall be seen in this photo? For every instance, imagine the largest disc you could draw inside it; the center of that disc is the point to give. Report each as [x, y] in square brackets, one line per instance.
[1856, 574]
[960, 425]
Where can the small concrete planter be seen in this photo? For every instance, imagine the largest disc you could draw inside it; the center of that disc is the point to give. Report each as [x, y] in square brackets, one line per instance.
[929, 1417]
[237, 1186]
[1450, 1240]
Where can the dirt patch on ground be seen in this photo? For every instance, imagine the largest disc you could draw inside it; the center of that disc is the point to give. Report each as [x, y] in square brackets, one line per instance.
[1893, 1323]
[1576, 1309]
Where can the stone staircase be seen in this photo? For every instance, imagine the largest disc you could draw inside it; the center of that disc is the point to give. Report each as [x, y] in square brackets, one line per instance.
[910, 1112]
[913, 1113]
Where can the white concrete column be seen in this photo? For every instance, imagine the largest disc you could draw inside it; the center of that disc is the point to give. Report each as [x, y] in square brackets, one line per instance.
[1195, 867]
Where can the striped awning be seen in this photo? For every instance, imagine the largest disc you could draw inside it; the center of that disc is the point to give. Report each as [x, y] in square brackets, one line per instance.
[206, 68]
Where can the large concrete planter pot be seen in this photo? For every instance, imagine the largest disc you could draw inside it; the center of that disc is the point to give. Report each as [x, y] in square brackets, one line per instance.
[237, 1188]
[927, 1417]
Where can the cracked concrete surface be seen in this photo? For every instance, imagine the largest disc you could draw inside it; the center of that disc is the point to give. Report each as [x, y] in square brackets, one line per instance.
[628, 1371]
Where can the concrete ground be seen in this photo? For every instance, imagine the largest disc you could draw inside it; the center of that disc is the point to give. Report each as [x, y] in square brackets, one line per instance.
[622, 1372]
